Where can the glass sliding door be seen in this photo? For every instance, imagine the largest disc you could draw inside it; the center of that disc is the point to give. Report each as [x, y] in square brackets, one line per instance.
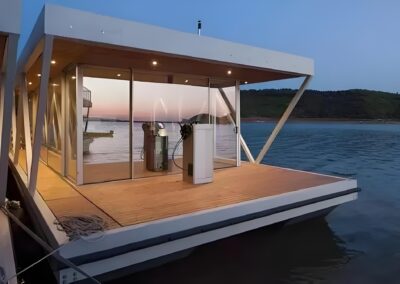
[162, 101]
[105, 124]
[54, 125]
[223, 110]
[70, 125]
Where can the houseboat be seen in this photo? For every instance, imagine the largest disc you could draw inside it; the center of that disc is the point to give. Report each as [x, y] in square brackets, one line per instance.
[9, 34]
[158, 158]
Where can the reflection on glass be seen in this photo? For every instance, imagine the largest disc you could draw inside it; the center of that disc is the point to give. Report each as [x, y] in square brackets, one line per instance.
[224, 119]
[53, 125]
[70, 147]
[161, 102]
[32, 96]
[106, 154]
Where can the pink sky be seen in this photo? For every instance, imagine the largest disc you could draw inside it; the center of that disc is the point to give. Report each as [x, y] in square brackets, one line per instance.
[152, 101]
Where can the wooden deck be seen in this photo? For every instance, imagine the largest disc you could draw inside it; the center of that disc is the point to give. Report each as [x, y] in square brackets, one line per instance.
[124, 203]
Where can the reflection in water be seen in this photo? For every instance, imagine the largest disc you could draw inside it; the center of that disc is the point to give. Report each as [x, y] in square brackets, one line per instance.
[295, 253]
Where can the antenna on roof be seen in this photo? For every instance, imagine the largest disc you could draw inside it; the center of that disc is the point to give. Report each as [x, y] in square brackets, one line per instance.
[199, 27]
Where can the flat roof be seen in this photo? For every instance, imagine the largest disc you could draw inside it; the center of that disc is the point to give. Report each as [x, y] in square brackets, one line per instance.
[10, 12]
[87, 38]
[10, 16]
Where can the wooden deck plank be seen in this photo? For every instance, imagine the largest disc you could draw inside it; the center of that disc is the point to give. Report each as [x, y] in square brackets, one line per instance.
[131, 202]
[136, 201]
[78, 205]
[51, 186]
[64, 200]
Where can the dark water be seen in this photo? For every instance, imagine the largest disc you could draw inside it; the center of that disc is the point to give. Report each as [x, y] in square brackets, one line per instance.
[358, 242]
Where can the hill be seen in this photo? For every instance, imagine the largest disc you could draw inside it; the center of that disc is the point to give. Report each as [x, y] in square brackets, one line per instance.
[348, 104]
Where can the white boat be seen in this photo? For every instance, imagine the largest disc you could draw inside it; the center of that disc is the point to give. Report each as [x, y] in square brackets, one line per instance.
[157, 75]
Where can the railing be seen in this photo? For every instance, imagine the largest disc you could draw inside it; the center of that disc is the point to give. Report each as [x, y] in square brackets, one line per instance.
[87, 94]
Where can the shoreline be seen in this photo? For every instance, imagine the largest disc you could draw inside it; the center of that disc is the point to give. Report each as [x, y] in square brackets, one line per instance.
[343, 120]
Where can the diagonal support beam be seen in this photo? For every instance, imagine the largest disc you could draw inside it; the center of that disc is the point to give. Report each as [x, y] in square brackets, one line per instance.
[6, 111]
[27, 125]
[41, 110]
[283, 119]
[19, 127]
[13, 127]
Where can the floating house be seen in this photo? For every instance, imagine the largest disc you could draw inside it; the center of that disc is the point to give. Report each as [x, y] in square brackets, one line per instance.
[103, 107]
[9, 34]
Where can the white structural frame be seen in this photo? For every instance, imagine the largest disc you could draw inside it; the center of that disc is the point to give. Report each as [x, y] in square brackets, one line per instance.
[7, 78]
[79, 133]
[283, 119]
[56, 21]
[10, 12]
[10, 27]
[41, 112]
[81, 27]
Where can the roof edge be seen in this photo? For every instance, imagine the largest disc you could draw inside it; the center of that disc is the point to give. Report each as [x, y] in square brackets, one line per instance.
[87, 26]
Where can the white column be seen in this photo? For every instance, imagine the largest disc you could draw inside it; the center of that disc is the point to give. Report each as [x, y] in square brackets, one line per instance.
[238, 130]
[283, 119]
[11, 53]
[27, 125]
[79, 126]
[62, 124]
[41, 111]
[19, 126]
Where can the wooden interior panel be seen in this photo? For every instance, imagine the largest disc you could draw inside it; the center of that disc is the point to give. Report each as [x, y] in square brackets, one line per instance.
[67, 52]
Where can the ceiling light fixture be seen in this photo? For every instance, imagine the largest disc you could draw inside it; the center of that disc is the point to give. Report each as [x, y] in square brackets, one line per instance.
[39, 75]
[186, 81]
[118, 75]
[30, 83]
[155, 63]
[245, 82]
[73, 77]
[53, 62]
[229, 72]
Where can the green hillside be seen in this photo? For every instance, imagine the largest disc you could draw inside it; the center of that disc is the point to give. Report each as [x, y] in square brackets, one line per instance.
[349, 104]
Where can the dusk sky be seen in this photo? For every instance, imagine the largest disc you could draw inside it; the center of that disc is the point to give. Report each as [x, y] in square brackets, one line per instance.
[355, 44]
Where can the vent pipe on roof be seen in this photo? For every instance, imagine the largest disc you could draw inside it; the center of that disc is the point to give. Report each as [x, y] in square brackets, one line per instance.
[199, 27]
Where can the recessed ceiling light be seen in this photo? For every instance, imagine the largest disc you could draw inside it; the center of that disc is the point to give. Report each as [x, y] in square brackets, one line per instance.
[229, 72]
[30, 83]
[73, 77]
[154, 63]
[39, 75]
[245, 82]
[53, 62]
[186, 80]
[55, 85]
[118, 75]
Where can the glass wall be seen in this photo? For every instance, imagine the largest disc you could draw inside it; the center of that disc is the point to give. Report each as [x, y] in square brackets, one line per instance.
[70, 125]
[223, 94]
[160, 103]
[53, 125]
[28, 109]
[131, 128]
[105, 124]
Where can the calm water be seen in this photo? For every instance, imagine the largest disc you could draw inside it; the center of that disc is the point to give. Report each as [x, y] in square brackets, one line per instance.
[116, 149]
[358, 243]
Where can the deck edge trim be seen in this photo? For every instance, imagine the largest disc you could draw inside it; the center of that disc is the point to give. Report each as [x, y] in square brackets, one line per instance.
[83, 259]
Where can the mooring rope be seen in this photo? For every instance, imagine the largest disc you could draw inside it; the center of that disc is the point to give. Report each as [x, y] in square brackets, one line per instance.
[77, 227]
[44, 245]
